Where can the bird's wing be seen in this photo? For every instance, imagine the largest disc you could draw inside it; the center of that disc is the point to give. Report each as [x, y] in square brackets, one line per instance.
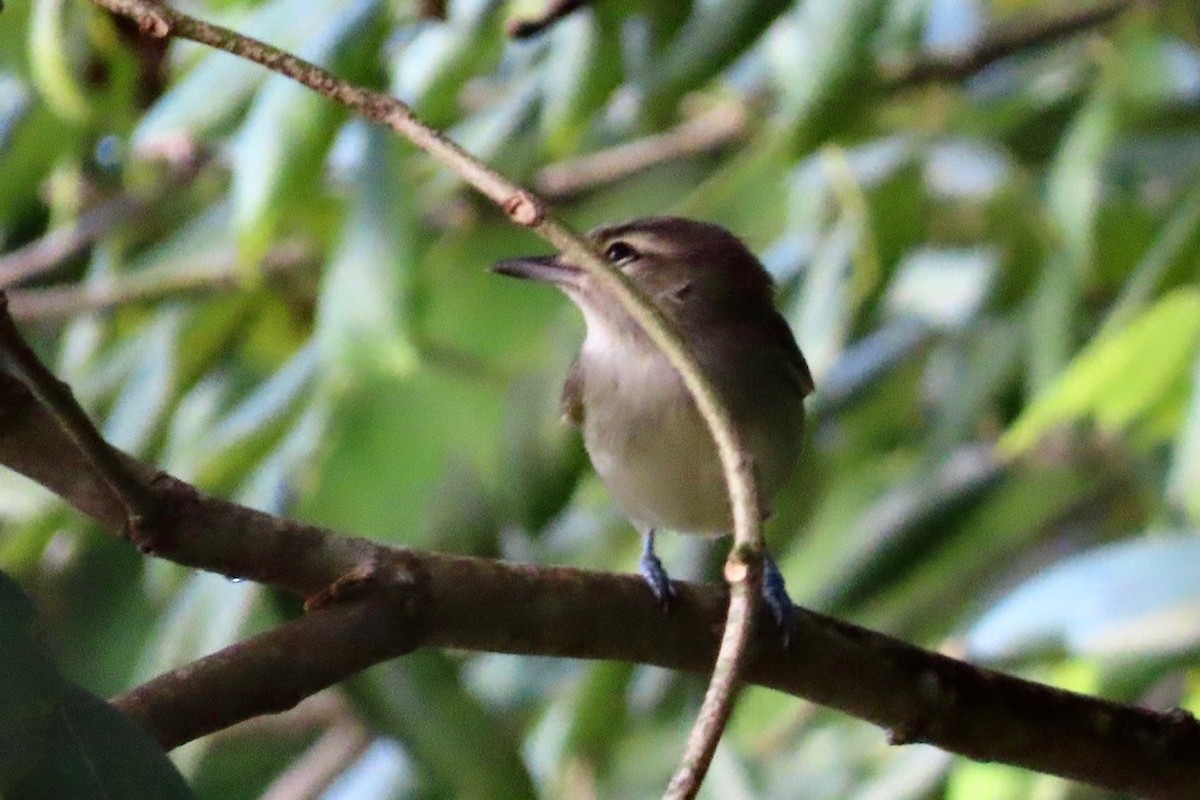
[572, 395]
[786, 341]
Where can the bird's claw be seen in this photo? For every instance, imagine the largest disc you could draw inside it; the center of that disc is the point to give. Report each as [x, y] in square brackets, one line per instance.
[774, 593]
[656, 577]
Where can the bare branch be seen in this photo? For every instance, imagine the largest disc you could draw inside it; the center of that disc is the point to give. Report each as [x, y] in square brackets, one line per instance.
[709, 131]
[64, 302]
[726, 124]
[51, 250]
[56, 397]
[415, 599]
[262, 675]
[42, 255]
[555, 10]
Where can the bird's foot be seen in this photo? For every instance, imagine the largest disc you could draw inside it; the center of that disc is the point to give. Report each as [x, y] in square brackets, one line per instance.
[652, 570]
[774, 593]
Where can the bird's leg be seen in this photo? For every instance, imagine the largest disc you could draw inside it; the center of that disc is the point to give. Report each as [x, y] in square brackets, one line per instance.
[774, 593]
[652, 570]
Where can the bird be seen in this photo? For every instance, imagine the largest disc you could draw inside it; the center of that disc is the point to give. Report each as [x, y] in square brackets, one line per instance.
[641, 428]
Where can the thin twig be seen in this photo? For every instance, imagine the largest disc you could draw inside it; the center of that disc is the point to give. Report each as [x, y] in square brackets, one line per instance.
[43, 255]
[707, 132]
[1001, 44]
[524, 209]
[555, 10]
[726, 124]
[64, 302]
[52, 249]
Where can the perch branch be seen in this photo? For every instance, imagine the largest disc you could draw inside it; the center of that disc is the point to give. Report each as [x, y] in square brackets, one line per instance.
[392, 600]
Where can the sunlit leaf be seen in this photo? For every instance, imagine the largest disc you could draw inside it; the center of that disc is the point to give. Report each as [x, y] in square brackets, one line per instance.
[1120, 376]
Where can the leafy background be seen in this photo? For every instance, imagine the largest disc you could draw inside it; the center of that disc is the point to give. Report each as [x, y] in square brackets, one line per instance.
[994, 278]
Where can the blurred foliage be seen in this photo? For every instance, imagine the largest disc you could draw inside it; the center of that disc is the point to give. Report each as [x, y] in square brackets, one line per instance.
[994, 278]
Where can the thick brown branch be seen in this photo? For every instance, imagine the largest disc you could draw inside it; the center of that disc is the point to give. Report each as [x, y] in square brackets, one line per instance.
[56, 397]
[265, 675]
[487, 605]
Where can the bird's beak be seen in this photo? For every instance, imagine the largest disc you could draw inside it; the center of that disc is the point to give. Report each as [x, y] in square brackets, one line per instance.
[548, 269]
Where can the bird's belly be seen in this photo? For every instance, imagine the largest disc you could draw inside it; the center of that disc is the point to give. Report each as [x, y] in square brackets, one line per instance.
[661, 467]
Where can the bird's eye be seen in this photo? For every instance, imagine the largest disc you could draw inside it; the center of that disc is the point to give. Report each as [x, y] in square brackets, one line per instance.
[620, 253]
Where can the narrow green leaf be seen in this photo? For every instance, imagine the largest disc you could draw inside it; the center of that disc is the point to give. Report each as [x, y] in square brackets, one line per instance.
[1074, 181]
[50, 63]
[279, 151]
[430, 70]
[1183, 480]
[824, 66]
[581, 70]
[421, 702]
[711, 38]
[1120, 376]
[363, 312]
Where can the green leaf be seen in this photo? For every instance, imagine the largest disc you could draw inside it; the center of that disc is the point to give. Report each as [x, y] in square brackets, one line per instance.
[581, 70]
[147, 391]
[1075, 179]
[279, 151]
[1120, 377]
[430, 70]
[52, 71]
[711, 38]
[1183, 480]
[56, 740]
[822, 57]
[363, 314]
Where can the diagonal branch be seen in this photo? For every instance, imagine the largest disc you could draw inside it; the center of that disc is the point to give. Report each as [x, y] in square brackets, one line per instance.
[744, 565]
[56, 397]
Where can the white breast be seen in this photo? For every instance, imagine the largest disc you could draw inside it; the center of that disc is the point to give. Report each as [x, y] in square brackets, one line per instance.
[647, 442]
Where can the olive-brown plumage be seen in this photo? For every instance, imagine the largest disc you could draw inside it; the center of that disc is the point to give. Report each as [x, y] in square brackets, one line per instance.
[640, 425]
